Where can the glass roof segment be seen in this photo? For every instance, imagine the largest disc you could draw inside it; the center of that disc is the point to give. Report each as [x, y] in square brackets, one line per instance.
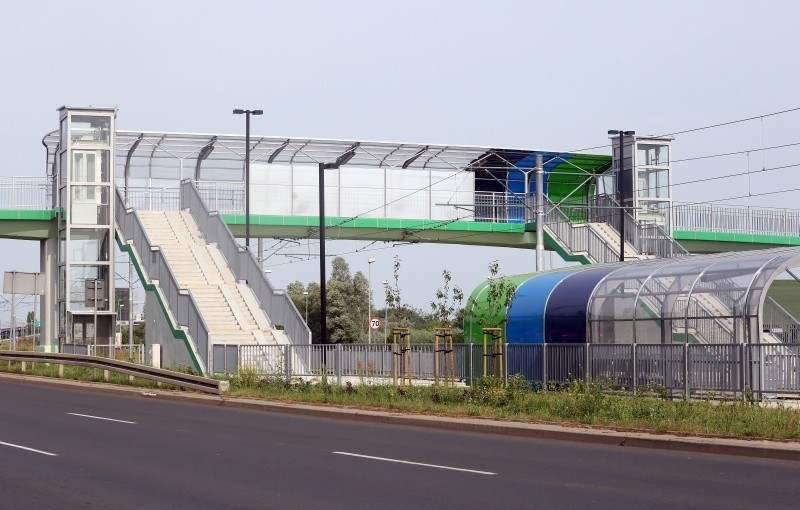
[713, 299]
[707, 299]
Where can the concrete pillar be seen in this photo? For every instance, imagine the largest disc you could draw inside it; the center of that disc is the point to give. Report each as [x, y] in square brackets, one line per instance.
[48, 265]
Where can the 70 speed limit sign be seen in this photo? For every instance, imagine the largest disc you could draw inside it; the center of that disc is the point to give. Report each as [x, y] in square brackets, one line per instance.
[375, 323]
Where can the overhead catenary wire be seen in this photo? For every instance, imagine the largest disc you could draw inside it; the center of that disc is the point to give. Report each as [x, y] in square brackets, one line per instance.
[684, 131]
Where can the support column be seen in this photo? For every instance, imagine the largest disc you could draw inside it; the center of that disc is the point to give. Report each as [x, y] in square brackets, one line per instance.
[48, 302]
[539, 213]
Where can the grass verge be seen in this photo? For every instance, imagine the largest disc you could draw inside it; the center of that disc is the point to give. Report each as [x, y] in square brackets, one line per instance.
[575, 404]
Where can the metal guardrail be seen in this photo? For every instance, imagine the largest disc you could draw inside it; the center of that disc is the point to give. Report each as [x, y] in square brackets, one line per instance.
[123, 367]
[736, 219]
[683, 369]
[578, 238]
[278, 306]
[646, 238]
[780, 322]
[25, 193]
[180, 302]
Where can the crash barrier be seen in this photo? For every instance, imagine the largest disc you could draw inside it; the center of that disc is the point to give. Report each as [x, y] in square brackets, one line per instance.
[122, 367]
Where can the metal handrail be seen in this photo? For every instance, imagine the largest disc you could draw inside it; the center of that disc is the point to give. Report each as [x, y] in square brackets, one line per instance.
[647, 238]
[736, 219]
[178, 301]
[123, 367]
[276, 304]
[775, 318]
[577, 238]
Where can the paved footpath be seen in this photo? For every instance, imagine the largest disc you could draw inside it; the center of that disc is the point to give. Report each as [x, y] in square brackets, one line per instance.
[725, 446]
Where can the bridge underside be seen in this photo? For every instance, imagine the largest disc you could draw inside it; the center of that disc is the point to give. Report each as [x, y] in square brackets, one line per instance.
[31, 225]
[513, 235]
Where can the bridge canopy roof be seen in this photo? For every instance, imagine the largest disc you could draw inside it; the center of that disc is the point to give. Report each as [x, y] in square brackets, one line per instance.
[222, 153]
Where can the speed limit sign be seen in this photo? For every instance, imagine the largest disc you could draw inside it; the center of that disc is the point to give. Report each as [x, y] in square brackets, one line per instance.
[374, 323]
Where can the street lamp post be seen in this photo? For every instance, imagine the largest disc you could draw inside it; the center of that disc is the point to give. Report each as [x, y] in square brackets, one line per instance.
[323, 308]
[305, 293]
[386, 315]
[247, 114]
[620, 194]
[369, 300]
[119, 314]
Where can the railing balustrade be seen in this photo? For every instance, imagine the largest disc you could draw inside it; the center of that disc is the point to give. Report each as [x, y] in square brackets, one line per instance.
[501, 207]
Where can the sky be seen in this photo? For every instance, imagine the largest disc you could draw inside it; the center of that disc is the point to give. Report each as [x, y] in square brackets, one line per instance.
[528, 74]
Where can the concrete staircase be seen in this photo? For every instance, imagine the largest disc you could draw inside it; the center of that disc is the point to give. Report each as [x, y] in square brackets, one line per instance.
[229, 308]
[611, 236]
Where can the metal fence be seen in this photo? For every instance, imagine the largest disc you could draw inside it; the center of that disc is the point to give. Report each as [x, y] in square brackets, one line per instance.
[678, 369]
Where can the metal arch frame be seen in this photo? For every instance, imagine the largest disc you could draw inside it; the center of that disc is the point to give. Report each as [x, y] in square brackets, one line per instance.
[207, 149]
[127, 173]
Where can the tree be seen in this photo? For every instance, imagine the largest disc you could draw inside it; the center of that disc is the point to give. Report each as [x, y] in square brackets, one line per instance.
[447, 304]
[491, 312]
[295, 291]
[347, 304]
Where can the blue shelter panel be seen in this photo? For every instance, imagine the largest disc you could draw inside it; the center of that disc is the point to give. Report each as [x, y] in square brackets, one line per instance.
[515, 181]
[526, 313]
[565, 315]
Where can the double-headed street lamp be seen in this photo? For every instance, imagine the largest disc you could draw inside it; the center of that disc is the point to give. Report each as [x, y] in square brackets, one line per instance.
[620, 194]
[247, 114]
[323, 309]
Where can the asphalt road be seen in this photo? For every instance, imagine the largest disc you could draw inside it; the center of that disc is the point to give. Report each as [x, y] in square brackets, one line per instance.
[166, 454]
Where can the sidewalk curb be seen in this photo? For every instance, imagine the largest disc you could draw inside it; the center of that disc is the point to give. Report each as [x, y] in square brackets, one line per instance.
[756, 448]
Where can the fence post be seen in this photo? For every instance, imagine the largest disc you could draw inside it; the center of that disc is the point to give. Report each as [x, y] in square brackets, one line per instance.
[505, 362]
[471, 367]
[743, 371]
[338, 358]
[634, 375]
[287, 361]
[686, 369]
[544, 366]
[586, 370]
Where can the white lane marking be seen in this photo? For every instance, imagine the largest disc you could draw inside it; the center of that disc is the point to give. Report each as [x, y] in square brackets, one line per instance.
[101, 418]
[12, 445]
[416, 463]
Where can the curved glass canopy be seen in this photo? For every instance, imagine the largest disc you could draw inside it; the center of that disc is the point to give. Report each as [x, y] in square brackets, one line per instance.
[704, 299]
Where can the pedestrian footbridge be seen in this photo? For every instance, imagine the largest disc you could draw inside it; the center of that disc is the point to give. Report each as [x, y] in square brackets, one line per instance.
[175, 202]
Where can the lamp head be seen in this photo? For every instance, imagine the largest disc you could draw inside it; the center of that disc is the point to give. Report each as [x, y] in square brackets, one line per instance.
[238, 111]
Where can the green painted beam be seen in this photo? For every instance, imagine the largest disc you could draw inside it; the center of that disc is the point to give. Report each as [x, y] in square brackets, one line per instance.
[28, 224]
[385, 229]
[717, 242]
